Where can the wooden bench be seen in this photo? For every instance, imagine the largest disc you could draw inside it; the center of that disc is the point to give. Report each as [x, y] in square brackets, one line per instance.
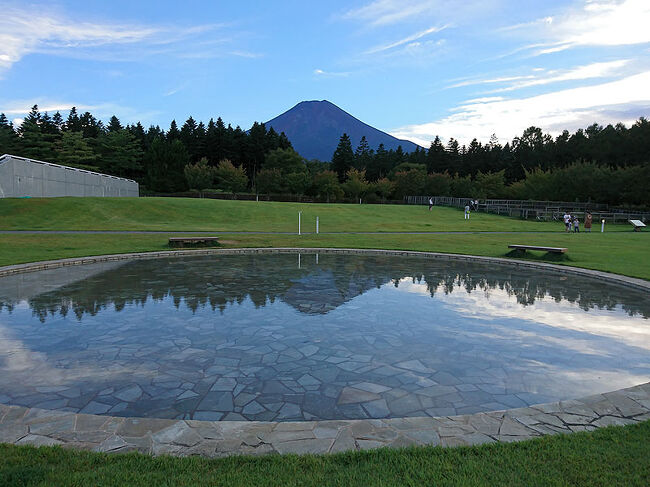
[180, 242]
[637, 224]
[556, 250]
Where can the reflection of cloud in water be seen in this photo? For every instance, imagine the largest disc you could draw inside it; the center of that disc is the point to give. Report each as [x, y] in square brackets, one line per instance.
[498, 304]
[37, 369]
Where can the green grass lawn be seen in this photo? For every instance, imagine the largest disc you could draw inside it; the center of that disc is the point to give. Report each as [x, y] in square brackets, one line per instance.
[622, 253]
[188, 214]
[615, 456]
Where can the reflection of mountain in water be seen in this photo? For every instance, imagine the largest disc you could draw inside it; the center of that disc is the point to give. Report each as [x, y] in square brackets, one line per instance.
[319, 292]
[219, 281]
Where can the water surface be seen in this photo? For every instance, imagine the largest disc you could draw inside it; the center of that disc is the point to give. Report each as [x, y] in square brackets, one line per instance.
[333, 336]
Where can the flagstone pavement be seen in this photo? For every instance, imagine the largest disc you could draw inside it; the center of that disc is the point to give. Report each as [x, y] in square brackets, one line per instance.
[25, 426]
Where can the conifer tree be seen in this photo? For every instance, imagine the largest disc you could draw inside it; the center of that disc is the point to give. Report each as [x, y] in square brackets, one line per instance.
[164, 165]
[436, 157]
[256, 146]
[8, 137]
[33, 142]
[363, 155]
[114, 125]
[74, 150]
[73, 123]
[90, 126]
[173, 133]
[343, 157]
[57, 121]
[188, 136]
[120, 154]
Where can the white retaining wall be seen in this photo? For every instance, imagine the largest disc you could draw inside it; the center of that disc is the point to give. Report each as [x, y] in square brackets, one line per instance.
[20, 177]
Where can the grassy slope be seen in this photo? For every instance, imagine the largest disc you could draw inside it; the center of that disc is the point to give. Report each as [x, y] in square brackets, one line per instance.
[224, 215]
[608, 457]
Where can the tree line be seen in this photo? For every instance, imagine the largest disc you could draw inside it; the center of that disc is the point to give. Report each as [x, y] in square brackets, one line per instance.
[603, 164]
[154, 157]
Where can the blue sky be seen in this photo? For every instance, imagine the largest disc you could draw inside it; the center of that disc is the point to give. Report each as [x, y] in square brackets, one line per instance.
[413, 68]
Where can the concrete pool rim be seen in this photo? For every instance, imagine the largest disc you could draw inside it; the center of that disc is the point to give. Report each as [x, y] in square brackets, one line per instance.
[21, 425]
[619, 279]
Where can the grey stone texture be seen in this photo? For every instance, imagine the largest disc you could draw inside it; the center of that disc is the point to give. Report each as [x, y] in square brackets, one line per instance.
[20, 177]
[25, 426]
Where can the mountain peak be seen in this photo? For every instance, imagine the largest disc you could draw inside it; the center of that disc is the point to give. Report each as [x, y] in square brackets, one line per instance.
[314, 128]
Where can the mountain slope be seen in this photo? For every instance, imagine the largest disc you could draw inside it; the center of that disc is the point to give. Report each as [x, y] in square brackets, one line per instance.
[315, 127]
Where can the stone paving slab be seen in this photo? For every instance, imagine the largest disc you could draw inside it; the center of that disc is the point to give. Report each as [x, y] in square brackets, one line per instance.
[33, 426]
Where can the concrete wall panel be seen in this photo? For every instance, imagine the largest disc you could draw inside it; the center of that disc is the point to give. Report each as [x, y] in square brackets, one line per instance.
[21, 177]
[6, 179]
[52, 173]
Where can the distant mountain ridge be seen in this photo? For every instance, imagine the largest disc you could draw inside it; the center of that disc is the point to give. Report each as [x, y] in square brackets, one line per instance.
[315, 127]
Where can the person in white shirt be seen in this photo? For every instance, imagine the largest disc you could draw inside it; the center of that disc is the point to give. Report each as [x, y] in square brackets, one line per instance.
[466, 212]
[430, 203]
[567, 221]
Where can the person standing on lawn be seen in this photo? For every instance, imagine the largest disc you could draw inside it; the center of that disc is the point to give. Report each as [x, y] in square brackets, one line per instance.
[588, 219]
[567, 221]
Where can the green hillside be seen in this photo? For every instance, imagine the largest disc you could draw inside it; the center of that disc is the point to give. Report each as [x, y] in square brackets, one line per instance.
[192, 214]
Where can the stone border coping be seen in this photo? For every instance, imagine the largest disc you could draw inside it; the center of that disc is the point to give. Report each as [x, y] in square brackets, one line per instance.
[33, 426]
[38, 427]
[52, 264]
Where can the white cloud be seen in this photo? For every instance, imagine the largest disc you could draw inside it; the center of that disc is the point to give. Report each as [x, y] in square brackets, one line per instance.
[103, 110]
[596, 23]
[589, 71]
[543, 77]
[383, 12]
[176, 89]
[406, 40]
[479, 81]
[331, 74]
[30, 30]
[22, 107]
[622, 100]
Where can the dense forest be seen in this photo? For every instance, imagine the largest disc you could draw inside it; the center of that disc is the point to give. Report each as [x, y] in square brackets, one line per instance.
[604, 164]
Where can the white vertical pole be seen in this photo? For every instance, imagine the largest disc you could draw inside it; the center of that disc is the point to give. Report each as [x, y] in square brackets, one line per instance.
[316, 224]
[298, 260]
[316, 259]
[299, 214]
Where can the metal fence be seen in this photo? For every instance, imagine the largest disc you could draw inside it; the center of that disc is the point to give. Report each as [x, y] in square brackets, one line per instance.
[539, 210]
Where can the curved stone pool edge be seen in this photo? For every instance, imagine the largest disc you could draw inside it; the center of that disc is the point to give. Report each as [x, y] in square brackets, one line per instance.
[19, 425]
[24, 426]
[563, 269]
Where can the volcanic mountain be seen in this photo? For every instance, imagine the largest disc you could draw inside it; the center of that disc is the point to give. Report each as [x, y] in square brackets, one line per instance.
[315, 127]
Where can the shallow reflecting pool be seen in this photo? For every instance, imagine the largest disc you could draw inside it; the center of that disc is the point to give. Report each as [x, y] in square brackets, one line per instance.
[330, 336]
